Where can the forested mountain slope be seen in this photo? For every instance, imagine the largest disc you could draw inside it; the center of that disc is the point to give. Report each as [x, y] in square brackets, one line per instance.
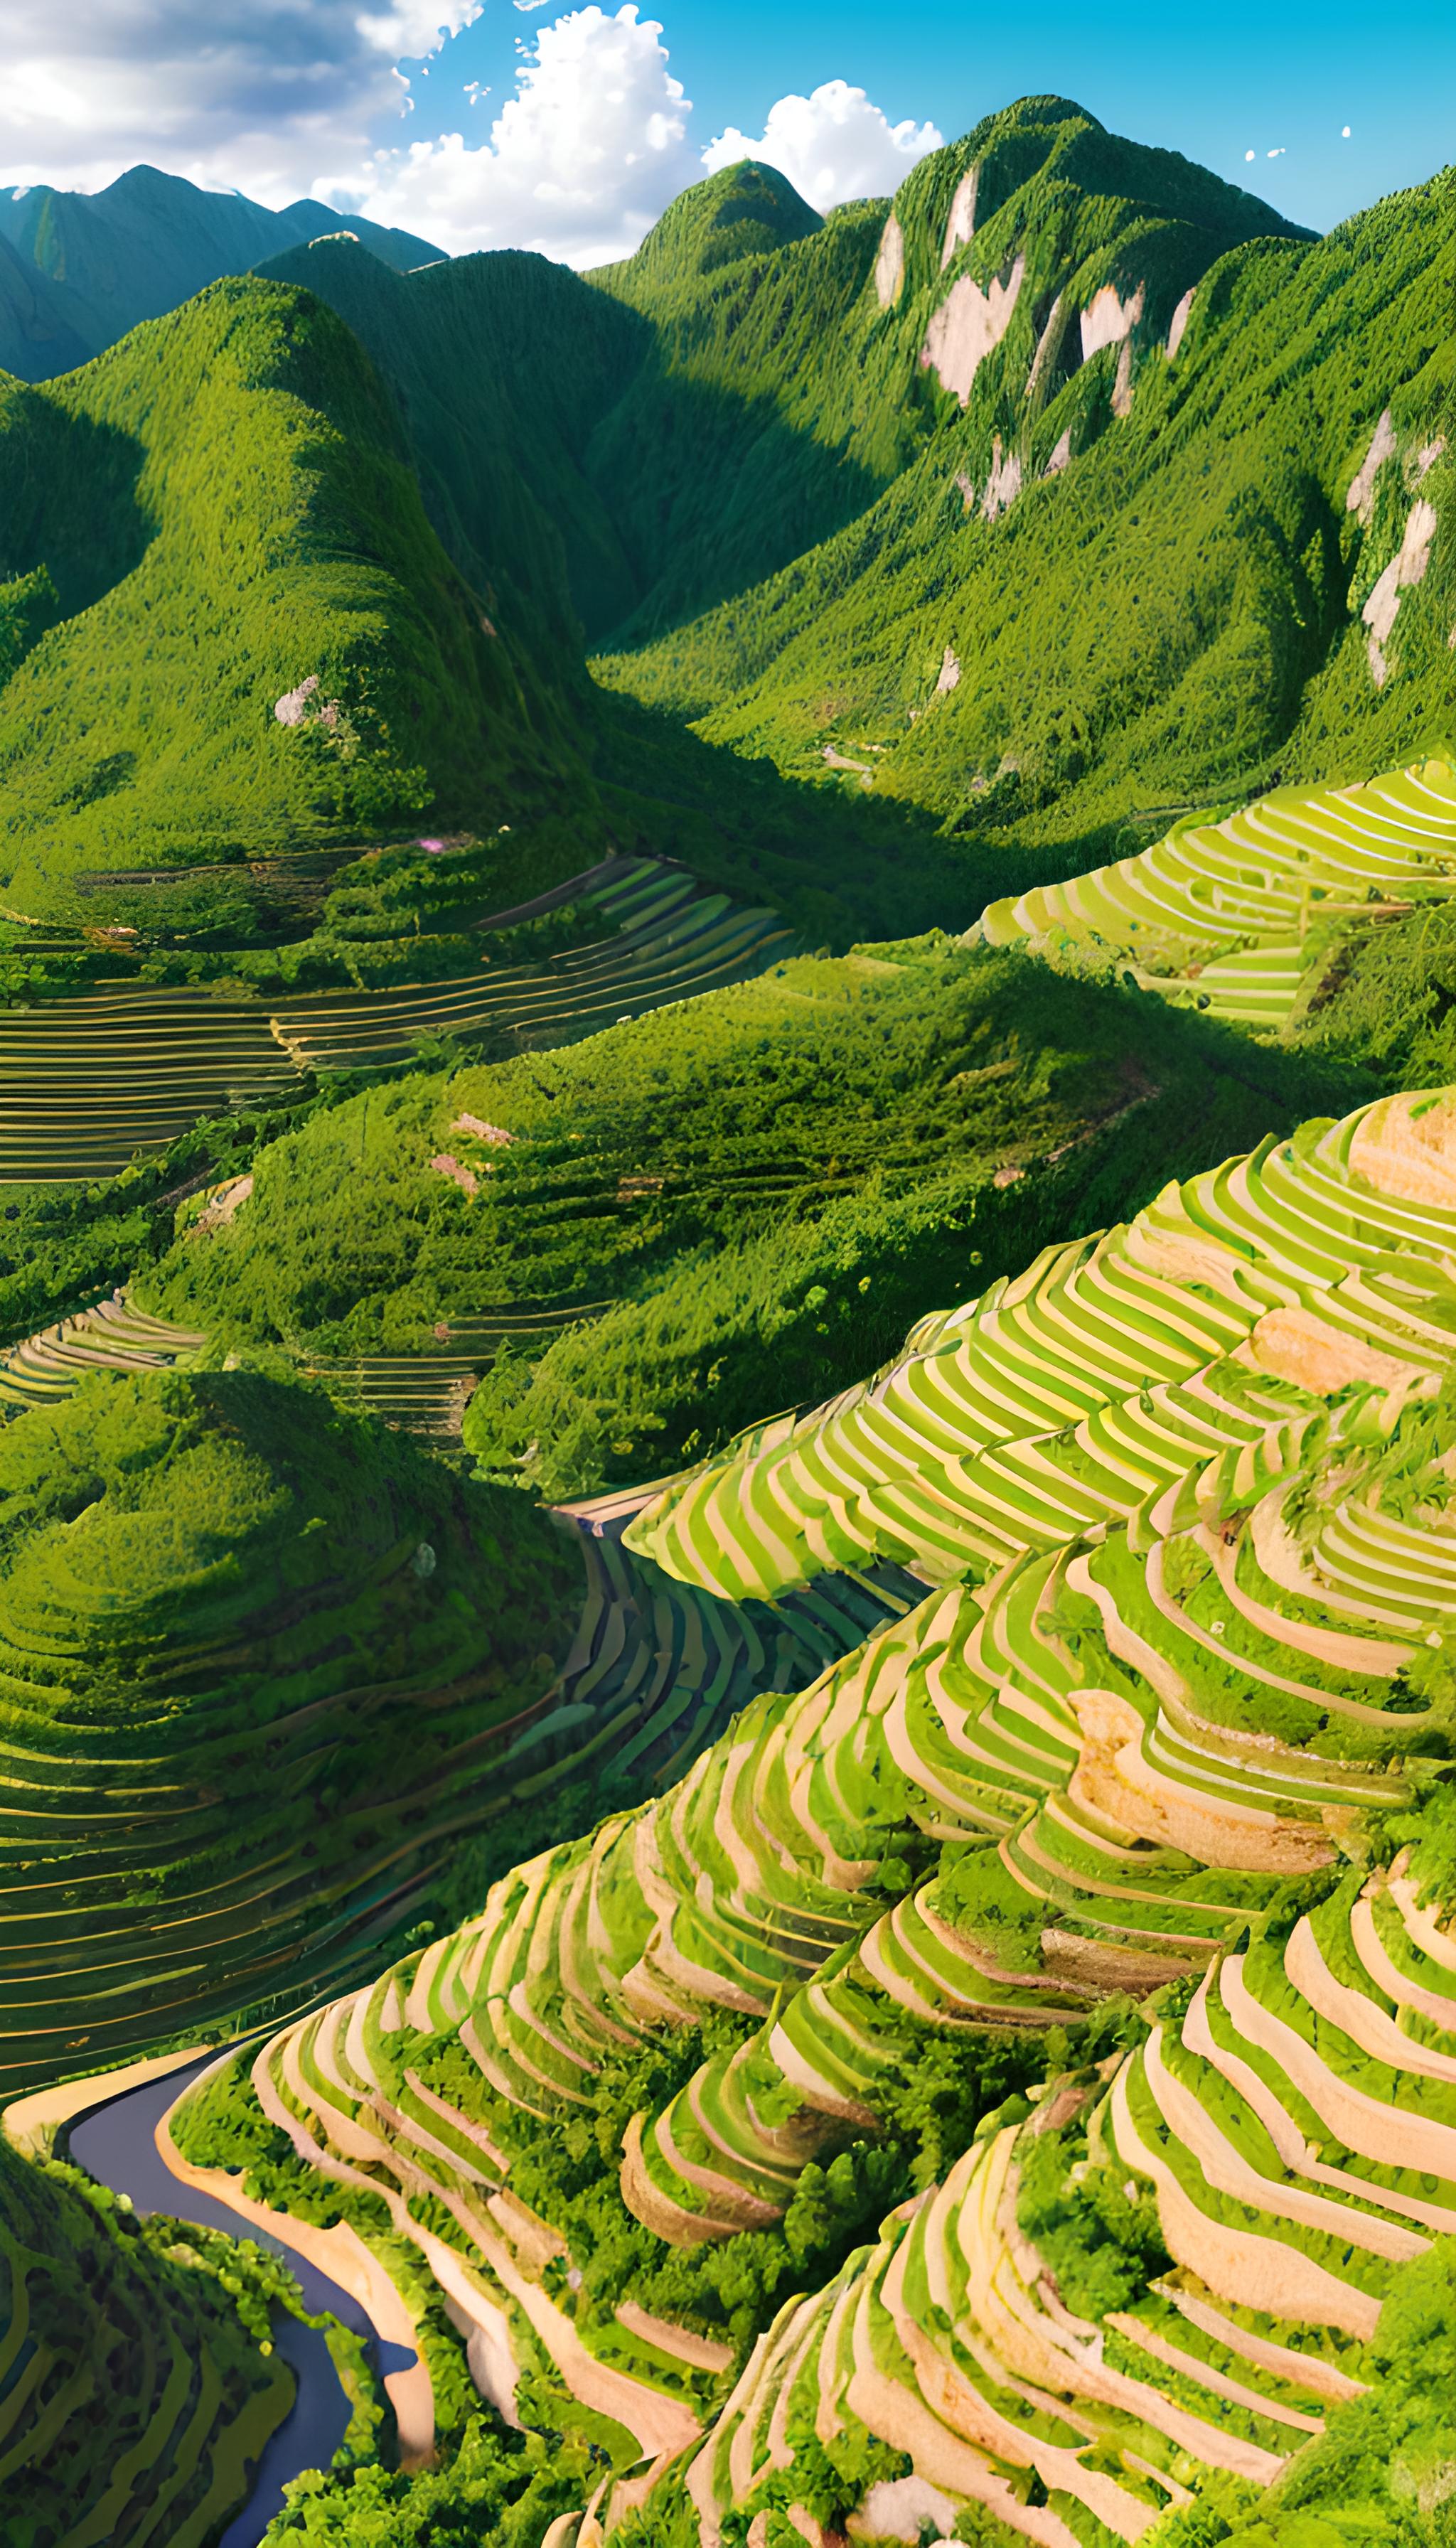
[722, 1209]
[783, 471]
[1166, 540]
[229, 628]
[84, 269]
[755, 387]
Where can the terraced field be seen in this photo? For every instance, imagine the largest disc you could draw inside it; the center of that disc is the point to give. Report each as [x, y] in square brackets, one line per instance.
[228, 1774]
[1241, 916]
[110, 1336]
[1063, 1396]
[1157, 1751]
[87, 1082]
[429, 1393]
[424, 1393]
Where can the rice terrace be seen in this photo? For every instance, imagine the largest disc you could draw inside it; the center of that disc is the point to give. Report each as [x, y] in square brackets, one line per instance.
[727, 1282]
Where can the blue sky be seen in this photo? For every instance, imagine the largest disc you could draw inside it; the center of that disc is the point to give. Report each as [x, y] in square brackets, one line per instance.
[1213, 83]
[577, 124]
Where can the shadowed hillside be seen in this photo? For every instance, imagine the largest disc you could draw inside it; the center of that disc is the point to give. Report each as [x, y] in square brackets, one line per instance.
[135, 2393]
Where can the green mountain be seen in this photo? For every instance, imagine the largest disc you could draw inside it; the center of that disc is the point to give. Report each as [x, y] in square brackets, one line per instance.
[81, 270]
[230, 629]
[581, 856]
[748, 1197]
[1157, 532]
[272, 1679]
[748, 407]
[737, 465]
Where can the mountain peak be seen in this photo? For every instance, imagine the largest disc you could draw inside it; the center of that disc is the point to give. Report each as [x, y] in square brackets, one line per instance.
[747, 210]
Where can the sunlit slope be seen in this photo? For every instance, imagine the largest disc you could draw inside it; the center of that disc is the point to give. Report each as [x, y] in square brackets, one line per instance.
[215, 515]
[850, 342]
[747, 1198]
[1063, 1396]
[1181, 512]
[1243, 916]
[1167, 1760]
[135, 2405]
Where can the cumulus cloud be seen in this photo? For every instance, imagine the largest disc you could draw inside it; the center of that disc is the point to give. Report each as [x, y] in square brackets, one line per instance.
[835, 145]
[578, 163]
[290, 97]
[257, 93]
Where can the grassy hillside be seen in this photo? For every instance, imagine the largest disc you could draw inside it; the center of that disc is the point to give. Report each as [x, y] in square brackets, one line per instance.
[271, 1681]
[138, 2401]
[216, 516]
[1133, 580]
[835, 491]
[219, 1630]
[1009, 2082]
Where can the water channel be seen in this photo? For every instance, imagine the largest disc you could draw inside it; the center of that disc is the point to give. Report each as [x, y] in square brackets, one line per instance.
[114, 2144]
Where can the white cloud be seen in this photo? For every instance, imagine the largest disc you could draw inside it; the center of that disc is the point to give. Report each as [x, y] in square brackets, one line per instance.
[255, 93]
[579, 162]
[290, 97]
[835, 145]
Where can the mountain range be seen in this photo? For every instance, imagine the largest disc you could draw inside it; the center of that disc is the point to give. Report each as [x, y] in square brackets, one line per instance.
[79, 271]
[818, 491]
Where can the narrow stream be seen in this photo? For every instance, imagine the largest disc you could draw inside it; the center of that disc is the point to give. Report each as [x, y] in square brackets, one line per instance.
[114, 2144]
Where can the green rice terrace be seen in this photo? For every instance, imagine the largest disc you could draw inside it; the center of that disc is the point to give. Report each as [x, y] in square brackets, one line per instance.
[1244, 917]
[1135, 1828]
[270, 1676]
[87, 1082]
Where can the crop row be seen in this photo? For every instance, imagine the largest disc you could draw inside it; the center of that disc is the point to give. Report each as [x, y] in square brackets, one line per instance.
[1061, 1397]
[1238, 916]
[1143, 1736]
[87, 1082]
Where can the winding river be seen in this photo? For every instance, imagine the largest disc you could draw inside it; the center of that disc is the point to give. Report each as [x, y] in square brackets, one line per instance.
[114, 2143]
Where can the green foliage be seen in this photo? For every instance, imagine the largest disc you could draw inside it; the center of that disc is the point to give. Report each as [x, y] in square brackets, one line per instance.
[1381, 2474]
[225, 510]
[1170, 618]
[289, 1630]
[29, 606]
[770, 1185]
[978, 1896]
[81, 269]
[1387, 999]
[504, 2486]
[1102, 2241]
[61, 1245]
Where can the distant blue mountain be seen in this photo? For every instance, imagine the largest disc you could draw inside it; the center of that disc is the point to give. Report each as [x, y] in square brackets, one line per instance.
[77, 271]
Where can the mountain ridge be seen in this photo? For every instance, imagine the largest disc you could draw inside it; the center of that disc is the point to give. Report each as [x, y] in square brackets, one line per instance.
[95, 266]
